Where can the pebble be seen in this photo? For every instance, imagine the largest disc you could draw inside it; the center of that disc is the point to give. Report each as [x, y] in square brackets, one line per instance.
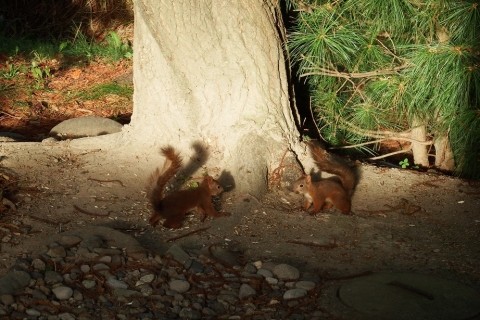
[116, 284]
[294, 293]
[180, 286]
[246, 291]
[284, 271]
[62, 292]
[91, 279]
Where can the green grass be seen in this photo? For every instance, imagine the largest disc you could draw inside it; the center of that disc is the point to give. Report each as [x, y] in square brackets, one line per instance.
[104, 89]
[112, 48]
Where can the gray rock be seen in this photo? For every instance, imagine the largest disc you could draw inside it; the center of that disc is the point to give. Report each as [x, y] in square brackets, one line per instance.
[271, 280]
[179, 286]
[38, 264]
[69, 241]
[66, 316]
[7, 299]
[286, 272]
[246, 291]
[89, 284]
[403, 296]
[52, 277]
[62, 292]
[147, 278]
[189, 313]
[265, 273]
[33, 312]
[307, 285]
[84, 127]
[294, 293]
[100, 267]
[57, 252]
[179, 255]
[116, 284]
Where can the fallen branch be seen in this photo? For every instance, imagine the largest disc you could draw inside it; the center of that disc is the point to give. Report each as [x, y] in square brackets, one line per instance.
[332, 245]
[90, 213]
[187, 234]
[107, 181]
[48, 221]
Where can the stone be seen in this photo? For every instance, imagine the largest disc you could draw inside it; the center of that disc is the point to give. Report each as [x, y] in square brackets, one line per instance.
[307, 285]
[52, 277]
[265, 273]
[286, 272]
[14, 281]
[147, 278]
[179, 255]
[116, 284]
[402, 296]
[89, 284]
[89, 126]
[7, 299]
[69, 241]
[38, 264]
[246, 291]
[33, 312]
[62, 292]
[57, 252]
[179, 286]
[294, 293]
[189, 313]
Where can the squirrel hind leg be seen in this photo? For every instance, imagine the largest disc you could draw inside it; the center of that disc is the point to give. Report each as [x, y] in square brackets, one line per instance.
[343, 204]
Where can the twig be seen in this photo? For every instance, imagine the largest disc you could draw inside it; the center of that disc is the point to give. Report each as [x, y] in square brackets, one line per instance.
[48, 221]
[314, 244]
[102, 181]
[90, 213]
[353, 75]
[10, 115]
[187, 234]
[390, 154]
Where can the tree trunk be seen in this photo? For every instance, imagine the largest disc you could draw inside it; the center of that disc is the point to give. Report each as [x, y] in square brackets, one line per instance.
[419, 150]
[444, 159]
[213, 72]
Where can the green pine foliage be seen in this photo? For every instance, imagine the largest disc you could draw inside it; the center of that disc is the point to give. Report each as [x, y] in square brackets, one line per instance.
[376, 65]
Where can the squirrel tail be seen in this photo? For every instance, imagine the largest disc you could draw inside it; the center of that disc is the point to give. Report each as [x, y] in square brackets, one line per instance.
[334, 165]
[160, 178]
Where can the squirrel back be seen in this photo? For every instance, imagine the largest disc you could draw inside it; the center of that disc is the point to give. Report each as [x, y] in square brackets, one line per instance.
[331, 164]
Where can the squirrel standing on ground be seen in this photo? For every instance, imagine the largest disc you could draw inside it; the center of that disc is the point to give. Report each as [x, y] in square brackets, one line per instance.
[175, 206]
[329, 192]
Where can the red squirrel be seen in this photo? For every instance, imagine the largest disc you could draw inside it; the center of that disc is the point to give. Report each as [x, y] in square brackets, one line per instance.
[327, 193]
[175, 206]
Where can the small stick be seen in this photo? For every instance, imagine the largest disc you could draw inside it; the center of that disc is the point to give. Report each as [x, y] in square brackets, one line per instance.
[48, 221]
[90, 213]
[187, 234]
[98, 180]
[313, 244]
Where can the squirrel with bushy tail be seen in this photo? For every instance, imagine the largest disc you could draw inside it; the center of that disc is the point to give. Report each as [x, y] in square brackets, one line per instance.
[335, 191]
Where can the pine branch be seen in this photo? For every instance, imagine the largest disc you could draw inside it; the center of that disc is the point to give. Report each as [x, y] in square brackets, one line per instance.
[354, 75]
[390, 154]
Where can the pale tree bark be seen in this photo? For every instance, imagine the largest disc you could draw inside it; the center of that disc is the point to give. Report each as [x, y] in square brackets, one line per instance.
[444, 159]
[213, 71]
[419, 150]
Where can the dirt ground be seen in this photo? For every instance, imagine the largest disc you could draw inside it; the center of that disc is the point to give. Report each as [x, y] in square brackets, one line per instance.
[402, 221]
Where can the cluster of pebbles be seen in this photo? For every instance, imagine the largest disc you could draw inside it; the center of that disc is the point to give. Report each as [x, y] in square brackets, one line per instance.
[85, 277]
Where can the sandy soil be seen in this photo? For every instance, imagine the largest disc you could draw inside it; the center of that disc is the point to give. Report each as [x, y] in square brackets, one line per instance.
[402, 221]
